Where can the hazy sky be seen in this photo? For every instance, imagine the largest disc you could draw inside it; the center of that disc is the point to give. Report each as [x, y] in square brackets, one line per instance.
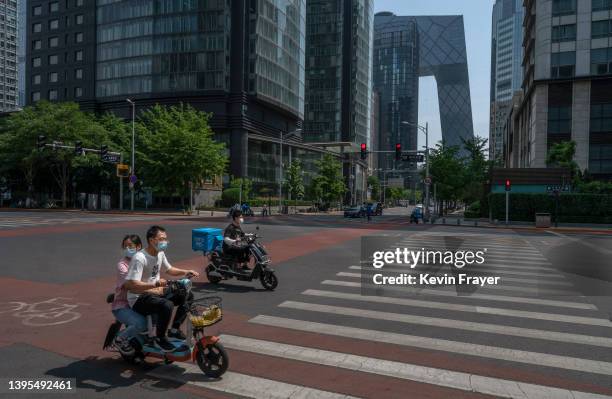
[477, 21]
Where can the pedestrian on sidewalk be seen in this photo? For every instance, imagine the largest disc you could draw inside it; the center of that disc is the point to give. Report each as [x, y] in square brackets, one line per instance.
[369, 212]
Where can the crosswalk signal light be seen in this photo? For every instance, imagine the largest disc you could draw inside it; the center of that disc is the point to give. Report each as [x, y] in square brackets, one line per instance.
[364, 151]
[398, 151]
[78, 148]
[40, 142]
[508, 185]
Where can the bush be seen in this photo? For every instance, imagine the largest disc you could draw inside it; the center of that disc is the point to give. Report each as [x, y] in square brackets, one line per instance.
[573, 208]
[473, 211]
[230, 196]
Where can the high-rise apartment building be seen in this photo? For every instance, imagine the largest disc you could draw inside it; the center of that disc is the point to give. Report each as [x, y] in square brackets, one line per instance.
[567, 86]
[8, 56]
[506, 69]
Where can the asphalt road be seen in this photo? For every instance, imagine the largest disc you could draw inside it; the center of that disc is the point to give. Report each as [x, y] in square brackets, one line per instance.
[544, 332]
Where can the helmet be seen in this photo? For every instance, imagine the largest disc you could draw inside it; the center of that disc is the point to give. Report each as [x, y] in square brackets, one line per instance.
[236, 213]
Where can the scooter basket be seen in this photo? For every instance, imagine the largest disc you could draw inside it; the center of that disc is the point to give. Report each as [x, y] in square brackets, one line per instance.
[206, 312]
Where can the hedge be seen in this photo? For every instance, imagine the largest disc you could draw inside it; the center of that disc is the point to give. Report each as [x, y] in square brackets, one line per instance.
[573, 208]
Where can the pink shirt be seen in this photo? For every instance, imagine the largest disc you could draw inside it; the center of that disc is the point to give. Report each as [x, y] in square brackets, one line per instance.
[120, 291]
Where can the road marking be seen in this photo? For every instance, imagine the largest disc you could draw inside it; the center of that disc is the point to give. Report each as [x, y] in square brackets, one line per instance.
[598, 248]
[591, 321]
[501, 298]
[464, 348]
[241, 384]
[479, 269]
[423, 374]
[417, 272]
[440, 322]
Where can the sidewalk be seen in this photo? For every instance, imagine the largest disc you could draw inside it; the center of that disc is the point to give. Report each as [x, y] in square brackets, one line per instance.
[138, 212]
[456, 220]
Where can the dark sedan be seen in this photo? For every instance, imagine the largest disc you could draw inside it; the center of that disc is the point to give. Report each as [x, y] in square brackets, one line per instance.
[354, 212]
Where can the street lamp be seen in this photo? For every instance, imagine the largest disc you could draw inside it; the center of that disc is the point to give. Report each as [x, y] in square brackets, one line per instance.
[133, 104]
[427, 179]
[280, 168]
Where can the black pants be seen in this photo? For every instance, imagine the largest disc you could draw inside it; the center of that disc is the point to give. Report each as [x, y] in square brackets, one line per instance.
[149, 304]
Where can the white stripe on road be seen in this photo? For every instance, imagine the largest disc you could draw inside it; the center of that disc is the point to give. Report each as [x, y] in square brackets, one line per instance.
[464, 348]
[480, 269]
[241, 384]
[440, 322]
[405, 371]
[501, 298]
[417, 272]
[591, 321]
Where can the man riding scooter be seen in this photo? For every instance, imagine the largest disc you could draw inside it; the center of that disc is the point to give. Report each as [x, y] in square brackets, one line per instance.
[233, 243]
[148, 294]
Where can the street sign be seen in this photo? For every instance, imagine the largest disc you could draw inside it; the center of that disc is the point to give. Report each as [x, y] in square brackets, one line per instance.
[123, 170]
[413, 158]
[133, 179]
[111, 158]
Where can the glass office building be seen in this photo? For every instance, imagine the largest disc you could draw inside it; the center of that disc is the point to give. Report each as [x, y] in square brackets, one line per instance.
[8, 56]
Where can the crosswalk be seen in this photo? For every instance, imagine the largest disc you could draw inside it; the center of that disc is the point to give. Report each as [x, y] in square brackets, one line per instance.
[9, 222]
[548, 342]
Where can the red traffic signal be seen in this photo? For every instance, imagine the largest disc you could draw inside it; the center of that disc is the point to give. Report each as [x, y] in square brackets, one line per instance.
[398, 151]
[508, 185]
[364, 151]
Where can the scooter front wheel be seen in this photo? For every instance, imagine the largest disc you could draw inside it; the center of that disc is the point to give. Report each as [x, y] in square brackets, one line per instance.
[211, 279]
[213, 361]
[269, 280]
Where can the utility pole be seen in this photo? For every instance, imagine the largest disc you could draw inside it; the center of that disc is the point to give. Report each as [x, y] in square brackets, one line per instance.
[133, 153]
[121, 186]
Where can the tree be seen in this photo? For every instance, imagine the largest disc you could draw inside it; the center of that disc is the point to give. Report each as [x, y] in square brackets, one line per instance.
[63, 122]
[447, 171]
[328, 184]
[374, 185]
[294, 180]
[244, 186]
[476, 169]
[178, 148]
[562, 155]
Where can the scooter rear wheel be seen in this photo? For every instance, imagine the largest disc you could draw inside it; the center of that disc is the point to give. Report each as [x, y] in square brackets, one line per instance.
[211, 279]
[213, 361]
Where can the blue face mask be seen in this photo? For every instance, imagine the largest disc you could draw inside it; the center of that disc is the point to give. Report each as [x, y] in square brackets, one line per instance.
[162, 245]
[129, 252]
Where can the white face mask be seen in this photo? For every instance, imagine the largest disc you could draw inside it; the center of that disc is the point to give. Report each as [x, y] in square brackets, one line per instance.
[241, 220]
[129, 252]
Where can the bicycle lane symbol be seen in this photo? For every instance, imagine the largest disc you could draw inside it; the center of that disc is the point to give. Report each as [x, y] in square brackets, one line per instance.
[51, 312]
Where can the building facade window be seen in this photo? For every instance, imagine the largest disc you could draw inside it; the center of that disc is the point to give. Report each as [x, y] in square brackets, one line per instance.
[54, 6]
[36, 44]
[53, 41]
[78, 37]
[560, 120]
[78, 3]
[601, 118]
[563, 7]
[599, 5]
[35, 96]
[53, 77]
[78, 73]
[53, 59]
[563, 65]
[54, 24]
[37, 27]
[36, 79]
[36, 62]
[37, 10]
[78, 55]
[601, 61]
[78, 92]
[78, 19]
[52, 94]
[564, 33]
[600, 158]
[601, 28]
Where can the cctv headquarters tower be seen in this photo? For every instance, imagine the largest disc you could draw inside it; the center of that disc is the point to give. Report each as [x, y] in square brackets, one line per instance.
[406, 48]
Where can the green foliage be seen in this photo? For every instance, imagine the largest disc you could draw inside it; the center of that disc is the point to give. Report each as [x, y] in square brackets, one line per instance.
[447, 171]
[594, 187]
[294, 180]
[230, 196]
[247, 188]
[475, 169]
[393, 194]
[573, 208]
[177, 148]
[473, 211]
[329, 185]
[374, 184]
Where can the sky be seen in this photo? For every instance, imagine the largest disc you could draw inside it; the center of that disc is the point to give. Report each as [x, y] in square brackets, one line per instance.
[477, 21]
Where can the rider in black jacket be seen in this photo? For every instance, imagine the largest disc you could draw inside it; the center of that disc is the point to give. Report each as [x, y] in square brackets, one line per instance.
[233, 240]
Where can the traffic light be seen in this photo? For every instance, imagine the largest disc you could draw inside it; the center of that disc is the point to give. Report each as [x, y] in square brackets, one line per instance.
[364, 151]
[78, 148]
[398, 151]
[103, 151]
[40, 142]
[508, 185]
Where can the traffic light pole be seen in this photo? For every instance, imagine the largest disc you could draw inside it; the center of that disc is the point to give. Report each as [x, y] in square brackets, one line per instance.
[121, 186]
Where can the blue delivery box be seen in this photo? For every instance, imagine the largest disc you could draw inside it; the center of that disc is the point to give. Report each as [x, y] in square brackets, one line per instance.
[206, 239]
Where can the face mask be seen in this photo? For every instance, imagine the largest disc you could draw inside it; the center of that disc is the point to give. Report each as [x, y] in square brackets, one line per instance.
[129, 252]
[162, 245]
[241, 220]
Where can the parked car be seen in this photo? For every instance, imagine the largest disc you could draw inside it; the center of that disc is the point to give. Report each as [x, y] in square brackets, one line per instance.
[354, 212]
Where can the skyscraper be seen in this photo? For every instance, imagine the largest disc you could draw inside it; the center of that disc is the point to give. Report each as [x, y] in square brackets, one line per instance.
[406, 48]
[8, 56]
[22, 28]
[506, 69]
[338, 81]
[567, 85]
